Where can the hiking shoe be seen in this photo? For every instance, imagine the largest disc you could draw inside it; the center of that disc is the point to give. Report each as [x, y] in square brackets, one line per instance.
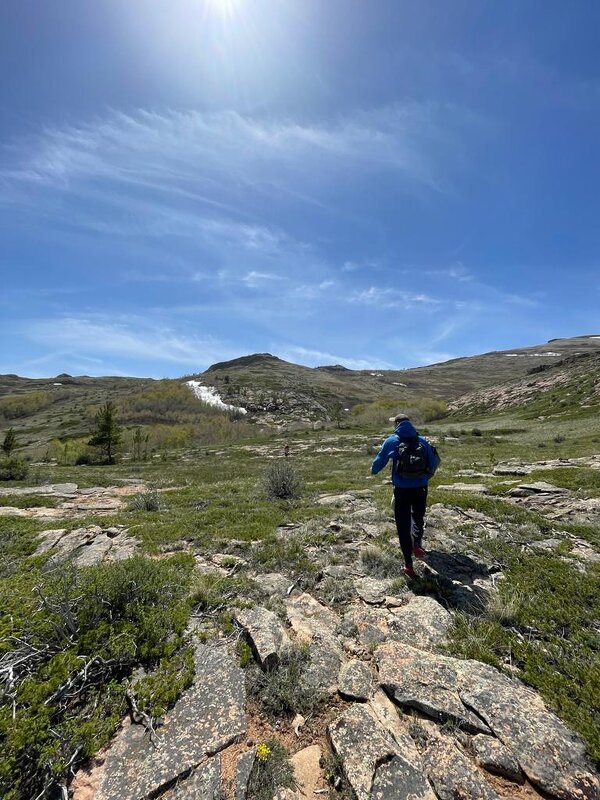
[409, 572]
[418, 552]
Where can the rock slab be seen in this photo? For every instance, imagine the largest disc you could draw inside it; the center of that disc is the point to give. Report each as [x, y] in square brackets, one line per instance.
[208, 717]
[266, 633]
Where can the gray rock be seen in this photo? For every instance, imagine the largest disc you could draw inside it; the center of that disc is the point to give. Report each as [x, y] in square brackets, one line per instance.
[336, 500]
[274, 583]
[372, 761]
[242, 773]
[208, 717]
[453, 775]
[477, 488]
[267, 635]
[372, 590]
[86, 546]
[323, 669]
[203, 783]
[309, 618]
[494, 757]
[355, 681]
[417, 679]
[549, 754]
[422, 622]
[539, 487]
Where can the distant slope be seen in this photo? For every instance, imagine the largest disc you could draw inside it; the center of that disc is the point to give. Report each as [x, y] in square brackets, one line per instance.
[568, 388]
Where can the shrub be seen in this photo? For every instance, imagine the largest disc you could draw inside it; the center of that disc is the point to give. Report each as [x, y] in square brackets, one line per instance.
[281, 481]
[13, 469]
[146, 501]
[82, 459]
[476, 432]
[272, 771]
[282, 691]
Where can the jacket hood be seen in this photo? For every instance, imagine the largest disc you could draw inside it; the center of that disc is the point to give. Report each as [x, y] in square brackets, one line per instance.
[406, 430]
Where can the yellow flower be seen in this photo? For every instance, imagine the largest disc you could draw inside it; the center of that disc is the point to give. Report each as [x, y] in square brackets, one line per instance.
[263, 751]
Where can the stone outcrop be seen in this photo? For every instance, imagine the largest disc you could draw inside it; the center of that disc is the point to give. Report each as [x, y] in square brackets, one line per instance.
[453, 775]
[208, 717]
[86, 546]
[267, 636]
[496, 758]
[373, 763]
[355, 681]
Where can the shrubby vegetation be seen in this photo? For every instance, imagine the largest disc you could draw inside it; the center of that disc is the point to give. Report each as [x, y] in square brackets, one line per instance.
[282, 481]
[377, 414]
[68, 639]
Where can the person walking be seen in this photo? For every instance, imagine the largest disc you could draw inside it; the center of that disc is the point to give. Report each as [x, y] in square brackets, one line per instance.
[414, 462]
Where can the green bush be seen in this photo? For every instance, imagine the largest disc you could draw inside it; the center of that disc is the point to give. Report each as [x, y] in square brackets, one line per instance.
[13, 469]
[75, 636]
[272, 770]
[282, 691]
[146, 501]
[281, 481]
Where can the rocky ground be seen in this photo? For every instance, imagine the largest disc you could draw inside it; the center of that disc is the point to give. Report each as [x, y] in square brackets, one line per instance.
[399, 717]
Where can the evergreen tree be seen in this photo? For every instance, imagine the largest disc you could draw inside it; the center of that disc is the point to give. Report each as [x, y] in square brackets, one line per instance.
[107, 436]
[9, 443]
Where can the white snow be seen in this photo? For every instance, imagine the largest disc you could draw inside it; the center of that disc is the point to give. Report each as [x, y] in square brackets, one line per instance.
[209, 394]
[532, 355]
[57, 384]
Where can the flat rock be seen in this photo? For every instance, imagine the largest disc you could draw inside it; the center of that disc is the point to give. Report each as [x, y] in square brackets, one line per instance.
[355, 681]
[395, 723]
[549, 754]
[86, 546]
[267, 635]
[372, 590]
[243, 769]
[336, 500]
[307, 770]
[477, 488]
[372, 761]
[207, 718]
[538, 487]
[203, 784]
[274, 583]
[322, 672]
[496, 758]
[310, 618]
[427, 682]
[453, 775]
[422, 622]
[511, 469]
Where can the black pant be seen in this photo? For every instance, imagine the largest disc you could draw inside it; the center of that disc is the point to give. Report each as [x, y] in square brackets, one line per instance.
[409, 511]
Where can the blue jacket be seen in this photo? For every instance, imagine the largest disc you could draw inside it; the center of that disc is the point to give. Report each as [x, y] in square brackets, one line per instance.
[389, 449]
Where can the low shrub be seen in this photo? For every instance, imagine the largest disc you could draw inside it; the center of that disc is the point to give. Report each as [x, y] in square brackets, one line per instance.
[283, 691]
[13, 469]
[272, 771]
[146, 501]
[281, 481]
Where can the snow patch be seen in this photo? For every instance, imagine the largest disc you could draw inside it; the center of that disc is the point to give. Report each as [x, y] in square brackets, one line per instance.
[532, 355]
[209, 394]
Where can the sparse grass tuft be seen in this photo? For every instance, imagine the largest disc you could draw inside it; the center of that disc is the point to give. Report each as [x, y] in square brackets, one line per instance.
[147, 501]
[382, 564]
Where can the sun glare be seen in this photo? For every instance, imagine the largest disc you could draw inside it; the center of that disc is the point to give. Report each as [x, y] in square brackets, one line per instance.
[226, 8]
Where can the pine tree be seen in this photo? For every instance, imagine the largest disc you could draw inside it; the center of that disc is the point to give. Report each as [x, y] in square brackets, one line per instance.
[9, 443]
[107, 436]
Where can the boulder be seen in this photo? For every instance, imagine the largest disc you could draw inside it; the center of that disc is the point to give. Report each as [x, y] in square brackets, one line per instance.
[494, 757]
[323, 669]
[274, 583]
[549, 754]
[307, 770]
[267, 635]
[539, 487]
[372, 761]
[86, 546]
[422, 622]
[243, 769]
[427, 682]
[372, 590]
[453, 775]
[355, 681]
[207, 718]
[310, 618]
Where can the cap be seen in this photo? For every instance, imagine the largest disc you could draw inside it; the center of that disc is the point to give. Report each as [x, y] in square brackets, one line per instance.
[398, 418]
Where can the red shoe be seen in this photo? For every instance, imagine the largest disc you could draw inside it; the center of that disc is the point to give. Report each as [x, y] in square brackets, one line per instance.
[418, 552]
[409, 572]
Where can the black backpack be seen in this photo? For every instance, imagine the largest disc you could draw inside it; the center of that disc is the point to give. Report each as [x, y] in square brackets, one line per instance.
[411, 461]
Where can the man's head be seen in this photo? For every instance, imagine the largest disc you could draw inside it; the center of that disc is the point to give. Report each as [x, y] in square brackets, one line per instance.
[398, 419]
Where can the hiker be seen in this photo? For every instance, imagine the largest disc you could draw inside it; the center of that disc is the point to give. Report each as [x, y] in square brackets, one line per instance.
[414, 461]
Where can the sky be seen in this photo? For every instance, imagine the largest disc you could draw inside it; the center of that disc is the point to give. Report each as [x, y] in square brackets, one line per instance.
[373, 183]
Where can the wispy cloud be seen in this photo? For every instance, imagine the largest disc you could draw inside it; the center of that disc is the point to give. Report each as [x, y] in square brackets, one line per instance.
[140, 339]
[386, 298]
[311, 358]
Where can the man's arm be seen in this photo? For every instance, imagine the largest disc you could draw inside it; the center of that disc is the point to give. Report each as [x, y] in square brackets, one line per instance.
[384, 455]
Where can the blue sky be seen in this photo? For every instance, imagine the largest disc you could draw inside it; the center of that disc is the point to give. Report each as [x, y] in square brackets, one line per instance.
[376, 184]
